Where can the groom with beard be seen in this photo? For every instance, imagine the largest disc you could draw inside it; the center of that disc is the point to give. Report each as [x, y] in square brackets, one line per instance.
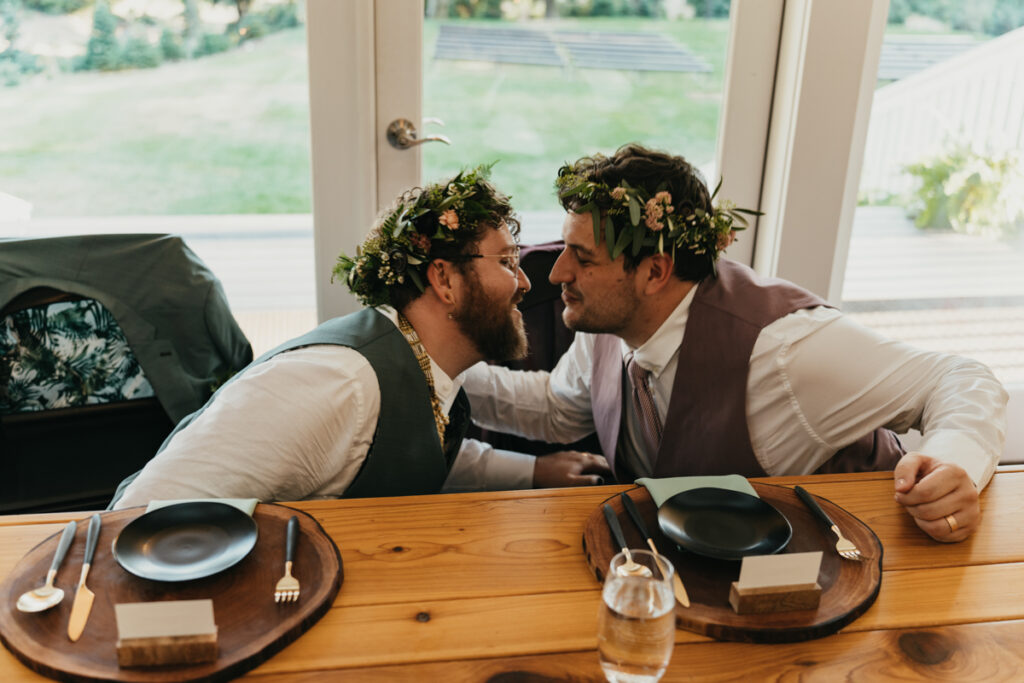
[370, 404]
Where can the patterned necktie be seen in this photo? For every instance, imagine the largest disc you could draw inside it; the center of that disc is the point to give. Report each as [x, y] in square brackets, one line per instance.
[643, 401]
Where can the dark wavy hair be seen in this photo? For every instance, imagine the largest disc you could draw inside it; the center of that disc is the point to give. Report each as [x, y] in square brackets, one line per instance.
[489, 209]
[651, 170]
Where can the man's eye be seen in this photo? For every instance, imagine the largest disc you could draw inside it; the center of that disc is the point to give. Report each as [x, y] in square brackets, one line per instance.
[509, 263]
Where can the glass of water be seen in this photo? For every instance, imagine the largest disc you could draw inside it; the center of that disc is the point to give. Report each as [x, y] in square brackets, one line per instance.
[637, 624]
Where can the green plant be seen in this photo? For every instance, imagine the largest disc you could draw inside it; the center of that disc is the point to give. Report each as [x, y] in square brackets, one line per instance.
[102, 53]
[212, 43]
[139, 53]
[970, 192]
[170, 45]
[57, 6]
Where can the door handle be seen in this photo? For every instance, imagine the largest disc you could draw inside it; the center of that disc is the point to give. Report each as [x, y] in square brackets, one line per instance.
[402, 134]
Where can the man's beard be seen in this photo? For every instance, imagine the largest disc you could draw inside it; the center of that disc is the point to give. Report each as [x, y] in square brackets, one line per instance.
[497, 334]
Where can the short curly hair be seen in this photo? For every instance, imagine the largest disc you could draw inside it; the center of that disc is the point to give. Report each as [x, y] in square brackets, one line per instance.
[651, 170]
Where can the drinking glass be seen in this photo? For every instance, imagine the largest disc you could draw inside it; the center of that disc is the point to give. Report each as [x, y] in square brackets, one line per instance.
[636, 626]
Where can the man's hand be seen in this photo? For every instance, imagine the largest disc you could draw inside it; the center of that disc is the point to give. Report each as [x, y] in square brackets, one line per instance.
[939, 496]
[570, 468]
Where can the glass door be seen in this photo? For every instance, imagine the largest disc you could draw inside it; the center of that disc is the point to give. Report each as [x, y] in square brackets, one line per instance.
[529, 84]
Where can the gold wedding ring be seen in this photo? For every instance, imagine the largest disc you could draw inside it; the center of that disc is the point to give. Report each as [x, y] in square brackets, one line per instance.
[951, 521]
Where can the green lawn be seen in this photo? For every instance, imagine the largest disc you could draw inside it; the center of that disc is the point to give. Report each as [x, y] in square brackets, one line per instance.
[230, 133]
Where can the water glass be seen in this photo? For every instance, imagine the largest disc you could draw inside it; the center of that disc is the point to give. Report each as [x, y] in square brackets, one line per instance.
[636, 626]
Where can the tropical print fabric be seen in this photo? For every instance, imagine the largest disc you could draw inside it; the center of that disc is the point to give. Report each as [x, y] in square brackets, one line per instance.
[65, 354]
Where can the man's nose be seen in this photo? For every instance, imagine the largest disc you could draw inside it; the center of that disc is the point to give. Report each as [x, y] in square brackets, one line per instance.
[559, 271]
[524, 281]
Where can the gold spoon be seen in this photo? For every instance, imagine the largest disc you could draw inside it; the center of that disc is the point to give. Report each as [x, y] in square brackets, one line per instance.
[48, 595]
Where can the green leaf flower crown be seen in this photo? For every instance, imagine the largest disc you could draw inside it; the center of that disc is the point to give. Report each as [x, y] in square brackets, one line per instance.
[632, 218]
[398, 250]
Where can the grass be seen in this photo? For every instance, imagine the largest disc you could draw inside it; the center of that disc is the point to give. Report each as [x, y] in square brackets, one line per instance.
[230, 134]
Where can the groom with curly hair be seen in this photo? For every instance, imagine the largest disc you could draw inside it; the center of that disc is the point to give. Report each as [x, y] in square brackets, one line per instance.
[685, 363]
[370, 404]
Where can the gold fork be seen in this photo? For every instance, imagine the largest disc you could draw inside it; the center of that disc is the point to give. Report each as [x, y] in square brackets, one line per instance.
[844, 546]
[287, 589]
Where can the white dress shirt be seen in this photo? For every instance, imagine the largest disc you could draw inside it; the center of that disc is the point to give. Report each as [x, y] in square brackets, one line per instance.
[817, 382]
[299, 426]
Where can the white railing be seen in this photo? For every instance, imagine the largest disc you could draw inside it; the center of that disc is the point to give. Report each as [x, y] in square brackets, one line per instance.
[975, 98]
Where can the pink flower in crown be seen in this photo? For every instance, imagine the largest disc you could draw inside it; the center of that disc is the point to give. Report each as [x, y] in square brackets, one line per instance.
[618, 193]
[421, 242]
[449, 219]
[665, 199]
[653, 212]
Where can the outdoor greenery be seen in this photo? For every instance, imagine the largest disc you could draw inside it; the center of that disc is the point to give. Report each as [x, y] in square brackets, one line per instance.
[972, 193]
[533, 119]
[229, 133]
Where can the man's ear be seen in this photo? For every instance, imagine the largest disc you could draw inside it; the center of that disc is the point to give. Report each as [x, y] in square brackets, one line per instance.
[658, 271]
[439, 280]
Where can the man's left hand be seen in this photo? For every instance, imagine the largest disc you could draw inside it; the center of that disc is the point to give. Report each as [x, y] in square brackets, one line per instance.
[570, 468]
[940, 497]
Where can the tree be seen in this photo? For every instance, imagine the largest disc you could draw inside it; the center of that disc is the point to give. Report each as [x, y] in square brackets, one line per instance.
[102, 52]
[193, 29]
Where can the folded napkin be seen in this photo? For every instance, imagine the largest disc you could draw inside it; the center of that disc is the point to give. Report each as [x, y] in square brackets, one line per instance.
[246, 505]
[663, 489]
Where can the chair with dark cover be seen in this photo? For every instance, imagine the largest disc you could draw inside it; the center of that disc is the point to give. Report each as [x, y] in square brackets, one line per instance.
[106, 341]
[549, 338]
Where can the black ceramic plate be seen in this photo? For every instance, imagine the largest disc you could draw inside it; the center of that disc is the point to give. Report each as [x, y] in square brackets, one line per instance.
[723, 524]
[185, 541]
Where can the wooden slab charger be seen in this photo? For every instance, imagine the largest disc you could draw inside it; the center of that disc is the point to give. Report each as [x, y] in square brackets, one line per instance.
[848, 587]
[251, 626]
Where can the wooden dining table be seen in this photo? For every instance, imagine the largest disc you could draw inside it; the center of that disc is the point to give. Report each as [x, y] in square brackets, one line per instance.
[495, 587]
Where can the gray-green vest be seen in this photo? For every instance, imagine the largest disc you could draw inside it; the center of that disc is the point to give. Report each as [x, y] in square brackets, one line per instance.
[406, 457]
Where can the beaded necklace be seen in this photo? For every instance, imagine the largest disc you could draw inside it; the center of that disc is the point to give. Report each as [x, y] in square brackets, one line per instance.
[440, 418]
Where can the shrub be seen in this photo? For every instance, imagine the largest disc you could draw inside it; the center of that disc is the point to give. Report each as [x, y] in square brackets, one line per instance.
[252, 26]
[57, 6]
[280, 17]
[139, 53]
[212, 43]
[170, 45]
[102, 52]
[969, 192]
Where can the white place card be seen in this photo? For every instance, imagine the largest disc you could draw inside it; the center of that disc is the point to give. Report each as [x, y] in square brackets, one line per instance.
[791, 569]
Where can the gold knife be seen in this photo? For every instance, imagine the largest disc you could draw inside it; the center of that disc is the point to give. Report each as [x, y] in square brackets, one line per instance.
[634, 514]
[83, 596]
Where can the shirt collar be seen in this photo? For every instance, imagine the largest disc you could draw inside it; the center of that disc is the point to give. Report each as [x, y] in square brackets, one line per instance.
[656, 353]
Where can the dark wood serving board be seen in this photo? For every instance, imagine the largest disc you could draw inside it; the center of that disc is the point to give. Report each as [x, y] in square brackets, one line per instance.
[848, 587]
[251, 626]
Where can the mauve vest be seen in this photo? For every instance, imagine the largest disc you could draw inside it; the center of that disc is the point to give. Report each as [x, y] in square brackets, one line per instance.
[706, 426]
[406, 458]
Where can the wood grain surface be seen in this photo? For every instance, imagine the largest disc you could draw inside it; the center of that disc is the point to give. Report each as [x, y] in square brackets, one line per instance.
[251, 626]
[494, 586]
[848, 587]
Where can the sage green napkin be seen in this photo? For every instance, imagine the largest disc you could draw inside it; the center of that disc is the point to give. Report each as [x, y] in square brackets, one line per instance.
[246, 505]
[663, 489]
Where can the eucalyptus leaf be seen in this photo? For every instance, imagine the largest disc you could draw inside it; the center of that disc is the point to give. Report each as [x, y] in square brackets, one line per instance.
[638, 241]
[634, 210]
[621, 243]
[661, 243]
[717, 187]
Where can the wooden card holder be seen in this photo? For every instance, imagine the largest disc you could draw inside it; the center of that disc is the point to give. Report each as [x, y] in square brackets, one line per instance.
[763, 599]
[166, 632]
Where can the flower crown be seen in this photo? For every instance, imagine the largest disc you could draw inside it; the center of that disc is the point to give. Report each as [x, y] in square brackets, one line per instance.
[645, 220]
[396, 251]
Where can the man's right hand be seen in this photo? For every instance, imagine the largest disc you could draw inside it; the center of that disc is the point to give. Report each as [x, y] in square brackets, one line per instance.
[570, 468]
